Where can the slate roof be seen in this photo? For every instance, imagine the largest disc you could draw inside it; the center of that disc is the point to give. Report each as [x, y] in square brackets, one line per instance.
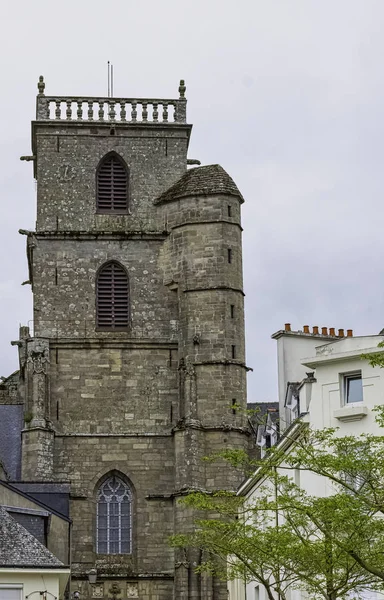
[208, 180]
[19, 548]
[264, 410]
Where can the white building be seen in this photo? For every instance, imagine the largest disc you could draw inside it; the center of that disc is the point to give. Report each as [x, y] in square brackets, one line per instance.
[324, 381]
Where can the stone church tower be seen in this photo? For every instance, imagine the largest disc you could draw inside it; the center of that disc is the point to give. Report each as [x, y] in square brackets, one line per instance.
[136, 360]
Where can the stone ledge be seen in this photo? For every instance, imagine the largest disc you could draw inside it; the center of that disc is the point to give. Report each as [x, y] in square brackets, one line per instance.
[350, 413]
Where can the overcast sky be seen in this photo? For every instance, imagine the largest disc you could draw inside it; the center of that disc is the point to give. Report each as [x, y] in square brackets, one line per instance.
[287, 95]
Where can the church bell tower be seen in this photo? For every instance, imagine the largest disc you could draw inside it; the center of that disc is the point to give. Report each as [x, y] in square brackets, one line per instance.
[136, 362]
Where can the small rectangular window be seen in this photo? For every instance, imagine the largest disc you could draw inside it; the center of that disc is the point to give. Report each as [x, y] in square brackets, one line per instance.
[257, 593]
[232, 311]
[10, 592]
[353, 388]
[229, 210]
[229, 255]
[233, 406]
[233, 351]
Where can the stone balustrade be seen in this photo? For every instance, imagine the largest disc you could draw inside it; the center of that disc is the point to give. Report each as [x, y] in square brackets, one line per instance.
[111, 110]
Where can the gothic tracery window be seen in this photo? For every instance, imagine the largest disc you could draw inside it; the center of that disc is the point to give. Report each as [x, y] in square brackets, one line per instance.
[112, 297]
[114, 517]
[112, 185]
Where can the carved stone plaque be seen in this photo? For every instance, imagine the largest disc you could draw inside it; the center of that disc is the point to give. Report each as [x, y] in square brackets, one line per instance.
[98, 590]
[132, 590]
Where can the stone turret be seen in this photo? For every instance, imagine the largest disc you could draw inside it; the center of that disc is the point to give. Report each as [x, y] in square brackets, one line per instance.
[202, 261]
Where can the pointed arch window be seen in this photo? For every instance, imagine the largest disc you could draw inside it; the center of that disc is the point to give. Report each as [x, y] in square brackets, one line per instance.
[112, 297]
[112, 185]
[114, 517]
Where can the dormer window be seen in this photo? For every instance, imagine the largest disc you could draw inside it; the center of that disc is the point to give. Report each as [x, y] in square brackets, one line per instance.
[112, 185]
[292, 401]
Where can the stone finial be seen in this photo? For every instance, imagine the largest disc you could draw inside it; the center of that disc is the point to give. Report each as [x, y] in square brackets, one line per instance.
[182, 88]
[41, 85]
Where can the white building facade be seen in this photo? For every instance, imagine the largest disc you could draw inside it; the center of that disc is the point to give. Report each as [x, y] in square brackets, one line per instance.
[323, 382]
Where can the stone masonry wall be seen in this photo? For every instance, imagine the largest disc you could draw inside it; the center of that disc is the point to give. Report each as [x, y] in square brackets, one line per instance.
[67, 160]
[64, 278]
[147, 463]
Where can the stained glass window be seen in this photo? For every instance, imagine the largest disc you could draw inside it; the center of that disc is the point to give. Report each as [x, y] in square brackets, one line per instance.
[114, 517]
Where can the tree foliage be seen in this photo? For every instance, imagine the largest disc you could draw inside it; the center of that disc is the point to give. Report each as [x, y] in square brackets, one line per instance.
[330, 544]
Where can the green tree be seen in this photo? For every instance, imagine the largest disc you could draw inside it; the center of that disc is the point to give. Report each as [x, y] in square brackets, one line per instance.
[331, 546]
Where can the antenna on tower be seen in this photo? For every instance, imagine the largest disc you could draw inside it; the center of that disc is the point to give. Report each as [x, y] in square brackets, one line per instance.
[110, 80]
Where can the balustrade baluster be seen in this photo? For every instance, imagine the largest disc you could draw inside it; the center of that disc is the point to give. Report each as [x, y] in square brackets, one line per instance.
[68, 111]
[79, 110]
[111, 112]
[58, 109]
[165, 113]
[174, 104]
[134, 112]
[123, 112]
[155, 112]
[101, 111]
[90, 110]
[145, 112]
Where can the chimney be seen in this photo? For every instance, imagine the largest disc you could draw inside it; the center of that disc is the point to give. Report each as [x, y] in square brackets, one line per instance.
[306, 328]
[287, 327]
[332, 331]
[341, 333]
[315, 330]
[349, 333]
[324, 331]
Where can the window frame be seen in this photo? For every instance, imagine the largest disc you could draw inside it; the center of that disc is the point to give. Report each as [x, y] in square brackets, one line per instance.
[13, 586]
[346, 378]
[129, 541]
[120, 159]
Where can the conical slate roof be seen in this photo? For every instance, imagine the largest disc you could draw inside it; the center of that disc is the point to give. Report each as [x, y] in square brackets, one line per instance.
[201, 181]
[19, 548]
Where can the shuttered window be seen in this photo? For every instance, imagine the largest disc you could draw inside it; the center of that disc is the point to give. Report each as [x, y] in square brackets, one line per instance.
[112, 297]
[112, 185]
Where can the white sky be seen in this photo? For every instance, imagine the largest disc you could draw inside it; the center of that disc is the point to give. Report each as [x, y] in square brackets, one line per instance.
[286, 95]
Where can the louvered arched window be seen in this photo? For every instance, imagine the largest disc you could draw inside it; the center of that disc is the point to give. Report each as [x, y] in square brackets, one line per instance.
[112, 185]
[114, 517]
[112, 297]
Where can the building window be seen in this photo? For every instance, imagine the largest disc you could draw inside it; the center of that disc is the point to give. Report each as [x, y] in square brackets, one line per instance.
[10, 592]
[229, 255]
[112, 297]
[229, 210]
[233, 351]
[114, 517]
[353, 388]
[112, 185]
[232, 311]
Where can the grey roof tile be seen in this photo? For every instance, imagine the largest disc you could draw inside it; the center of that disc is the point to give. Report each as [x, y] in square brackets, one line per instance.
[208, 180]
[19, 548]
